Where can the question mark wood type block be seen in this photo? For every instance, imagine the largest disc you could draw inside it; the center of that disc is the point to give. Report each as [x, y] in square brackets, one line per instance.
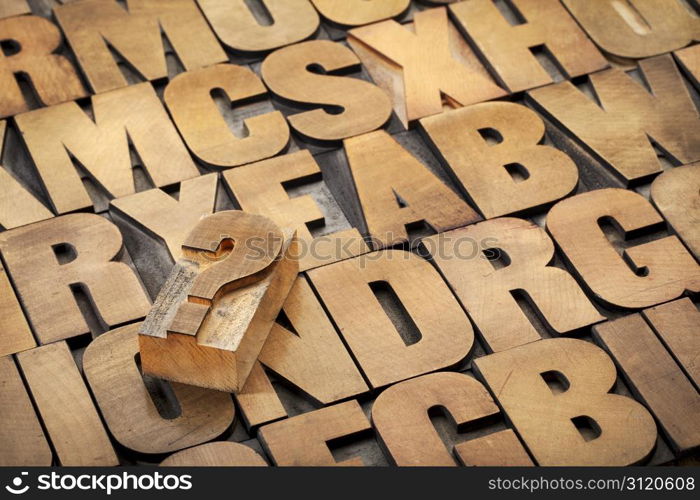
[213, 314]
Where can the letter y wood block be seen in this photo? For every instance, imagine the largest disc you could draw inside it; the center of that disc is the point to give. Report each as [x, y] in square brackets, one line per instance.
[214, 313]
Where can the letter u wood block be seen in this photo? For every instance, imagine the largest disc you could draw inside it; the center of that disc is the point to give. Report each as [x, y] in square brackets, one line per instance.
[214, 313]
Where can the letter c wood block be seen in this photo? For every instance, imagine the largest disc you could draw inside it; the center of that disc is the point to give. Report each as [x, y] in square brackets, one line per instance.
[130, 413]
[189, 100]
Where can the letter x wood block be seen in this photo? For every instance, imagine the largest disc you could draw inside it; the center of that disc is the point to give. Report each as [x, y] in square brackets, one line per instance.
[213, 314]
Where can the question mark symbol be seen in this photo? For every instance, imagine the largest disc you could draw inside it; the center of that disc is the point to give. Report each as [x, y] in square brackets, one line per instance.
[225, 262]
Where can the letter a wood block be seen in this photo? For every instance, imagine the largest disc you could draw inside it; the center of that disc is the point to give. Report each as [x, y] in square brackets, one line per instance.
[212, 316]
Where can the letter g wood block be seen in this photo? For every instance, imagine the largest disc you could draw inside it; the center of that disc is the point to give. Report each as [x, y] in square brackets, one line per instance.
[216, 309]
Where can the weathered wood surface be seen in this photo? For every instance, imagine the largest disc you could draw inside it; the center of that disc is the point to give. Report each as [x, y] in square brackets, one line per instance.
[496, 208]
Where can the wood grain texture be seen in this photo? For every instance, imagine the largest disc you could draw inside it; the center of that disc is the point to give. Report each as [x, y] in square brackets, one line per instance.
[400, 416]
[302, 440]
[486, 289]
[218, 454]
[636, 28]
[500, 449]
[238, 29]
[359, 12]
[640, 276]
[544, 417]
[128, 409]
[364, 106]
[258, 400]
[17, 205]
[65, 406]
[22, 441]
[40, 279]
[677, 324]
[616, 124]
[136, 35]
[655, 378]
[419, 63]
[213, 315]
[52, 76]
[446, 335]
[259, 188]
[169, 219]
[507, 47]
[15, 334]
[482, 167]
[10, 8]
[676, 194]
[130, 116]
[394, 189]
[189, 99]
[310, 357]
[689, 60]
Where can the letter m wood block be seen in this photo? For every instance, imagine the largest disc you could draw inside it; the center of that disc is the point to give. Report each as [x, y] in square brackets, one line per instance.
[62, 137]
[92, 27]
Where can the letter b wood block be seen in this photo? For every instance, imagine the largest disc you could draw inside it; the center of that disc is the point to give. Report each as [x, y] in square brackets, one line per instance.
[548, 416]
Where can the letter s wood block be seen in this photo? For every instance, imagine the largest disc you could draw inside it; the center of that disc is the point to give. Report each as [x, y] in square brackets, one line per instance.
[212, 316]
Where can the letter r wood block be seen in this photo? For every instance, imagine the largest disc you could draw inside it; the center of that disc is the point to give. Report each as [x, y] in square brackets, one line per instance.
[47, 260]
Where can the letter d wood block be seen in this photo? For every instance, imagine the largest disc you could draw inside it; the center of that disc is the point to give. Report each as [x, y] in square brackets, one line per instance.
[216, 309]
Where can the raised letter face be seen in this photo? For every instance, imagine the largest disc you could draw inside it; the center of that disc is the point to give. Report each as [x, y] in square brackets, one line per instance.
[129, 411]
[636, 28]
[364, 106]
[396, 190]
[47, 259]
[349, 290]
[130, 115]
[617, 129]
[549, 416]
[513, 175]
[53, 78]
[676, 194]
[418, 64]
[359, 12]
[655, 378]
[640, 276]
[400, 415]
[238, 29]
[302, 440]
[508, 48]
[136, 34]
[487, 263]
